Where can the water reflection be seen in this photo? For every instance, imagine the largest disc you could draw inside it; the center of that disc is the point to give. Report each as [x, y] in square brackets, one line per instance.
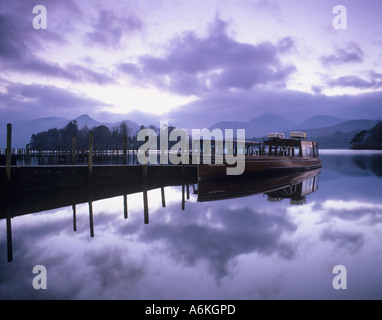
[247, 245]
[295, 187]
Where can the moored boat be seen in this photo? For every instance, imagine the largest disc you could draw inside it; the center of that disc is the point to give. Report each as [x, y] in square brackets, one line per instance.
[275, 155]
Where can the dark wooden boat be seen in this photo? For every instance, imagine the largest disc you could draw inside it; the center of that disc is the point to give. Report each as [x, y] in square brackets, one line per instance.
[275, 155]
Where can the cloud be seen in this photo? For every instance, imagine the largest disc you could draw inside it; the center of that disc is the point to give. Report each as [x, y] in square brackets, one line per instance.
[352, 53]
[19, 101]
[245, 105]
[351, 241]
[20, 48]
[240, 231]
[356, 82]
[195, 64]
[110, 28]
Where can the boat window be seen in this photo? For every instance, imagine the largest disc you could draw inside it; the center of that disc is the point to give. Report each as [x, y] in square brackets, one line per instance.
[316, 152]
[303, 148]
[307, 186]
[296, 151]
[266, 149]
[307, 149]
[228, 148]
[310, 150]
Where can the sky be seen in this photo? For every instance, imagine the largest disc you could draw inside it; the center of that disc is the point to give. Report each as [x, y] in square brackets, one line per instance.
[192, 63]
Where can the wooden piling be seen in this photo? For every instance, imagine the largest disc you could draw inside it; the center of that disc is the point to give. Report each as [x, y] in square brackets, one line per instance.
[90, 156]
[74, 218]
[183, 187]
[27, 153]
[125, 212]
[91, 222]
[145, 197]
[163, 197]
[8, 152]
[124, 150]
[74, 149]
[183, 198]
[9, 238]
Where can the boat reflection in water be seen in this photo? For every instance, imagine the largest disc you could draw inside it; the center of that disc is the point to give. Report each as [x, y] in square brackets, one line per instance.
[294, 187]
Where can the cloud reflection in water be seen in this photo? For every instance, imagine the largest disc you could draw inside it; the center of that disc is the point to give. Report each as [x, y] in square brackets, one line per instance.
[245, 248]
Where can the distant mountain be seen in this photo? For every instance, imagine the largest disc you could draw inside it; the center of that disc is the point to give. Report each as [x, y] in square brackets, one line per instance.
[85, 120]
[340, 135]
[259, 126]
[346, 126]
[329, 132]
[22, 130]
[320, 121]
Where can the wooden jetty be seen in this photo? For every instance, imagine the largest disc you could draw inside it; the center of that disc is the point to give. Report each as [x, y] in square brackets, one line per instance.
[67, 178]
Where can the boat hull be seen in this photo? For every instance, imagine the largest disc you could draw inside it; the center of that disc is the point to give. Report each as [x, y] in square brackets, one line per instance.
[261, 165]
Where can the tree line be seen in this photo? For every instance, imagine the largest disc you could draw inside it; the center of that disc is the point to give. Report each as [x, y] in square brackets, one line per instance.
[103, 137]
[368, 139]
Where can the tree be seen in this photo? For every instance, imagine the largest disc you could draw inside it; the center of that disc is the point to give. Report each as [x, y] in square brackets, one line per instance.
[67, 134]
[359, 139]
[375, 136]
[102, 137]
[368, 139]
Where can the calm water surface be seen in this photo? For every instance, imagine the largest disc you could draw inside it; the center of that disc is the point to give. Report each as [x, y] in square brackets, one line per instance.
[243, 248]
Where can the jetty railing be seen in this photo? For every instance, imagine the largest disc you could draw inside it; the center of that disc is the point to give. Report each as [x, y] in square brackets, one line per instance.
[74, 155]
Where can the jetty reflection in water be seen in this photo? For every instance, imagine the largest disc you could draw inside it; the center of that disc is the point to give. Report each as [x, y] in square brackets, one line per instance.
[248, 247]
[294, 187]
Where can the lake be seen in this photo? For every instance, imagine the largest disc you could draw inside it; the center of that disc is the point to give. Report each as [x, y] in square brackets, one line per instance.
[260, 246]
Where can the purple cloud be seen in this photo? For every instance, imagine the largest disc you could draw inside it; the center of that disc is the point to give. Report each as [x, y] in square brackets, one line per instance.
[18, 101]
[215, 62]
[110, 28]
[356, 82]
[20, 45]
[351, 54]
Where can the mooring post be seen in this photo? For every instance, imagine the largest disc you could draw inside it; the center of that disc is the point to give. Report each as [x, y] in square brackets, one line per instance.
[9, 237]
[124, 150]
[91, 222]
[145, 198]
[74, 218]
[163, 197]
[90, 157]
[40, 154]
[27, 155]
[125, 212]
[183, 187]
[74, 149]
[8, 162]
[8, 152]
